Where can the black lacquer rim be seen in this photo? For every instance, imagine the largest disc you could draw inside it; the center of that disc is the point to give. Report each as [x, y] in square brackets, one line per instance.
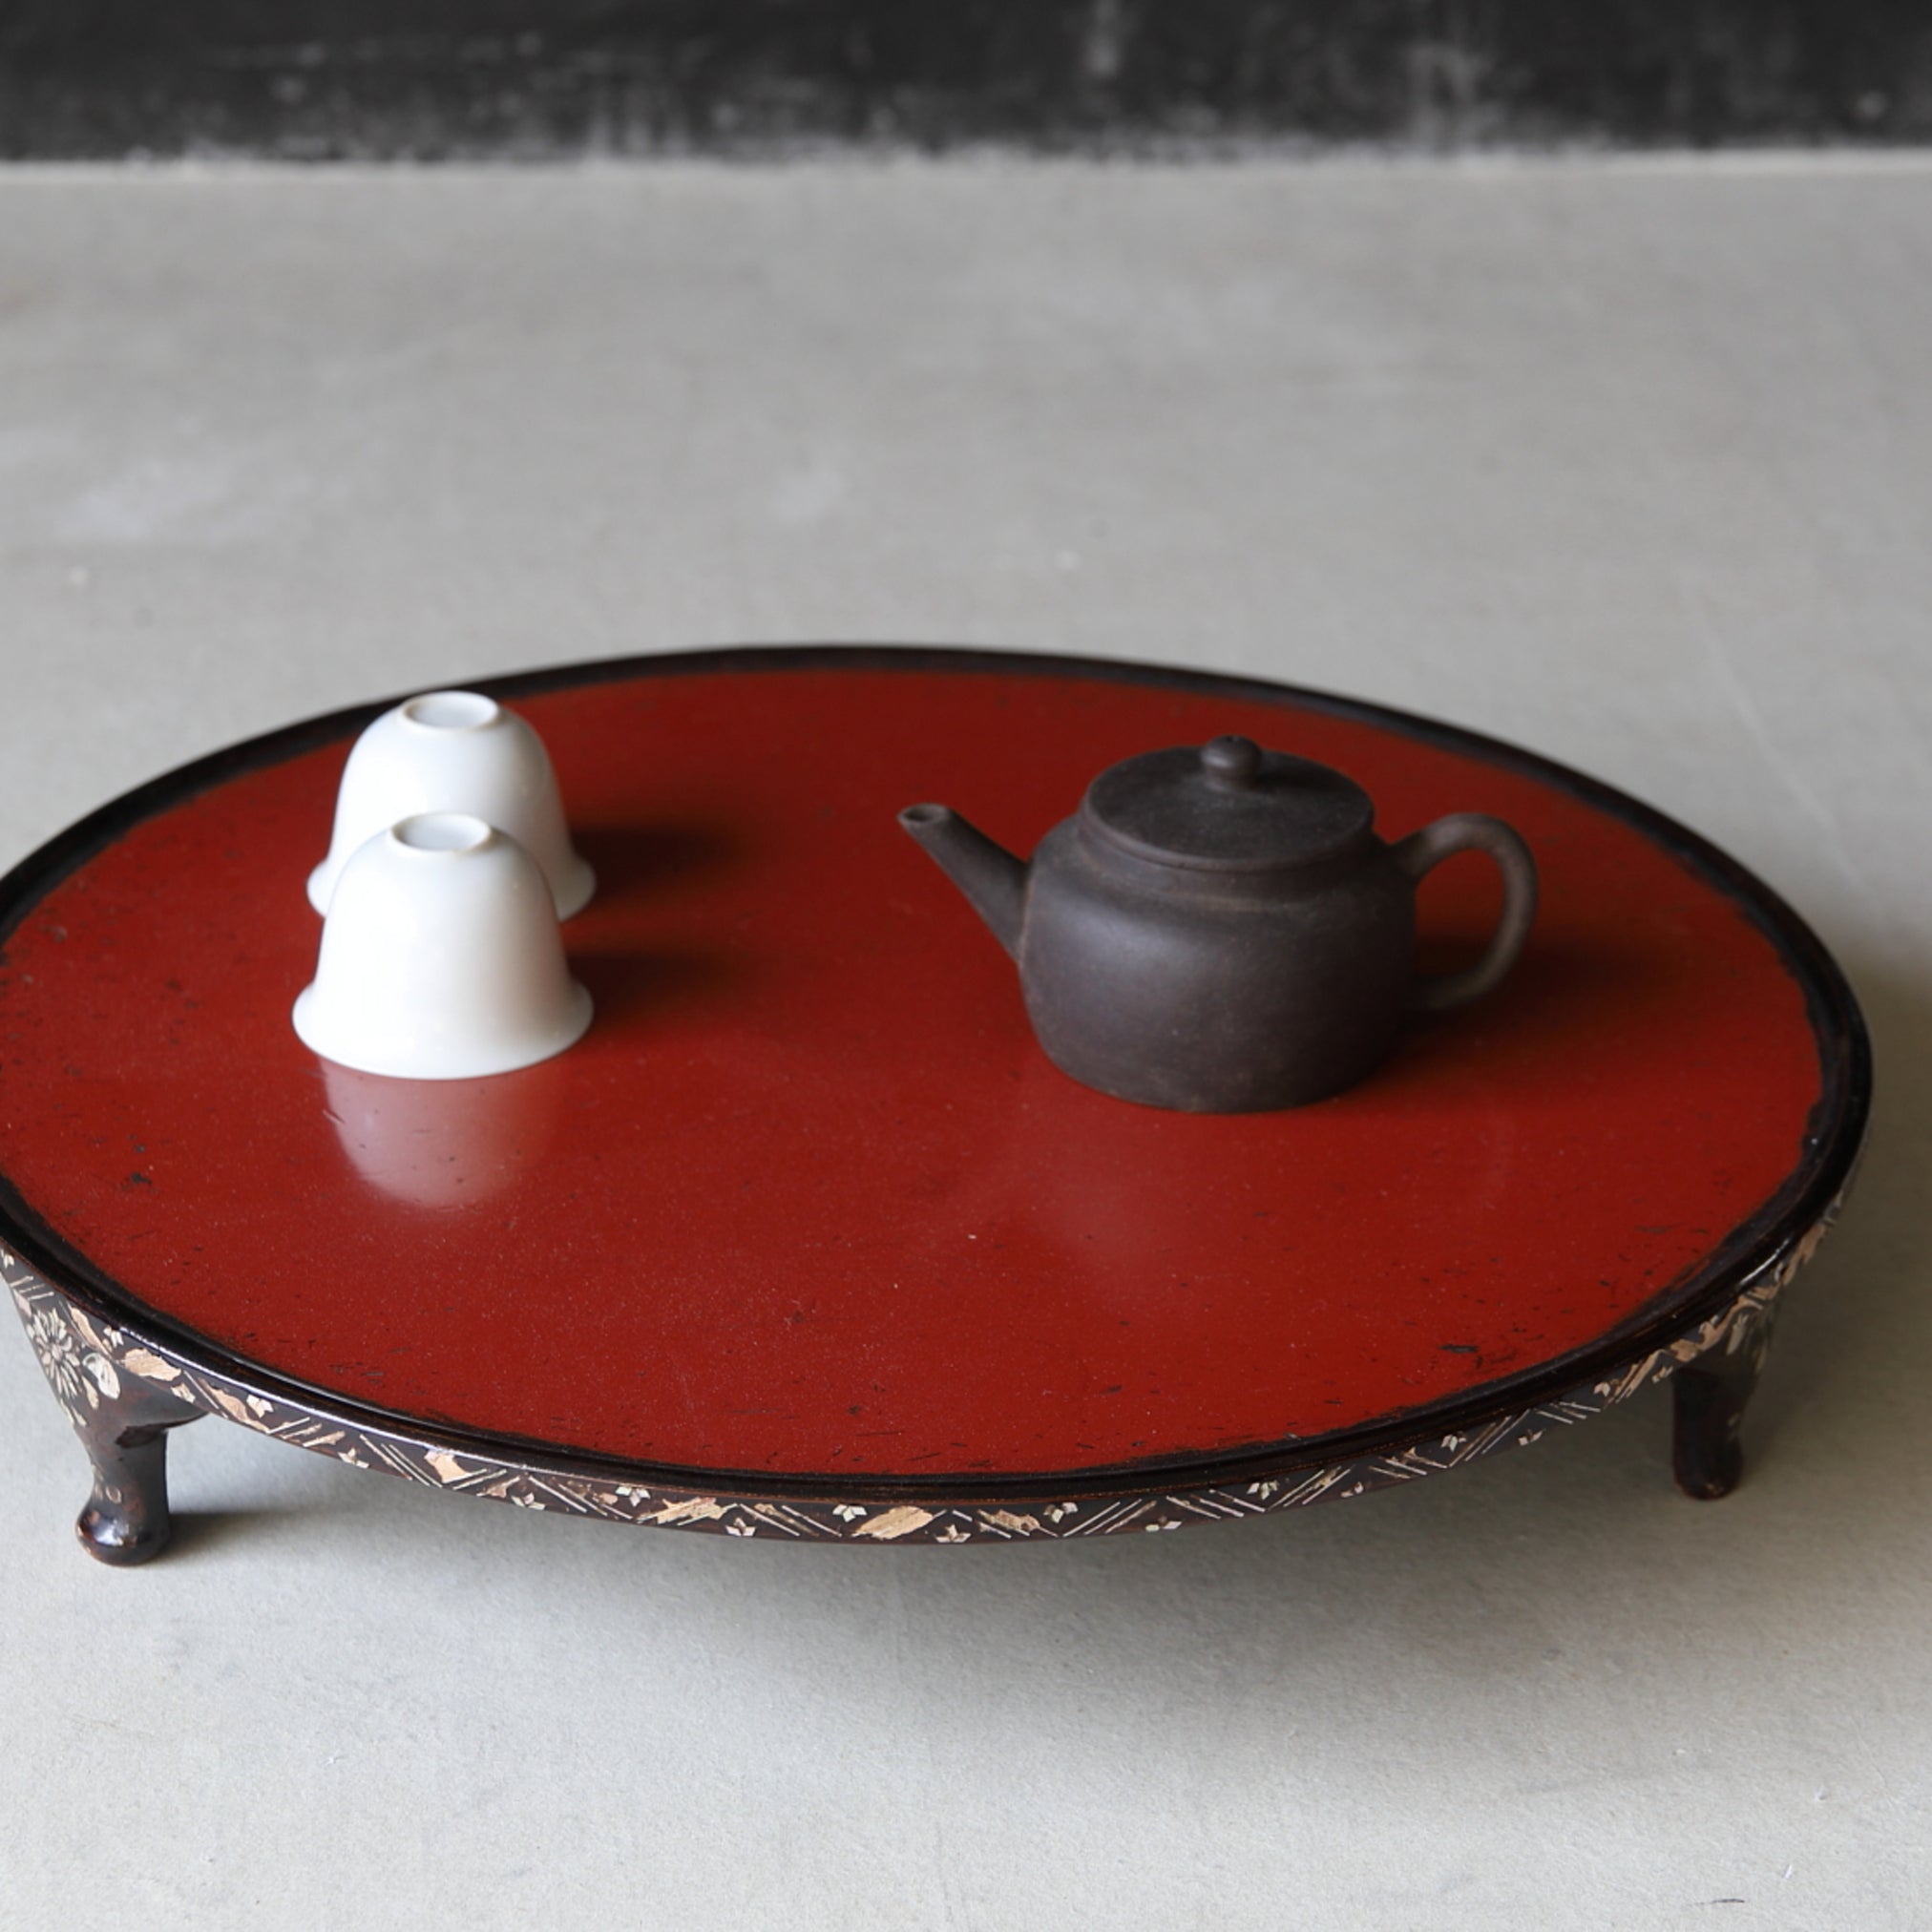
[1752, 1249]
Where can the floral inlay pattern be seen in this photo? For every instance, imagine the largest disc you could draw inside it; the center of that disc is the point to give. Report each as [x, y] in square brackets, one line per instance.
[76, 1358]
[85, 1361]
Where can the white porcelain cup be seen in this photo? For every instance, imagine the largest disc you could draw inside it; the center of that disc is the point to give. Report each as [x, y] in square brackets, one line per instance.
[454, 751]
[441, 957]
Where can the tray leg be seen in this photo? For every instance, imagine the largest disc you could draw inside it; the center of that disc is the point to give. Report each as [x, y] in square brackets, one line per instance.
[126, 1518]
[124, 1425]
[1710, 1394]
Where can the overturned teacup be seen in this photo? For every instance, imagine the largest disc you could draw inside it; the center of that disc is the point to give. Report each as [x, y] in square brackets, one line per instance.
[454, 751]
[441, 957]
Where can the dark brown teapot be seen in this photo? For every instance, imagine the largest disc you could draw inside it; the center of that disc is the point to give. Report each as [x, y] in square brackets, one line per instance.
[1219, 930]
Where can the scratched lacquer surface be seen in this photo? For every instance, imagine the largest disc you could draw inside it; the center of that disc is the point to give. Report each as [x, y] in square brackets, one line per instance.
[806, 1199]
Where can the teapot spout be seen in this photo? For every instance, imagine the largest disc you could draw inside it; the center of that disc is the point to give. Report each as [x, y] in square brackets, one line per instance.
[993, 880]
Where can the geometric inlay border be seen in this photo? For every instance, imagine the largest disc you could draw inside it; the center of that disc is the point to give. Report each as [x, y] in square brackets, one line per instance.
[85, 1359]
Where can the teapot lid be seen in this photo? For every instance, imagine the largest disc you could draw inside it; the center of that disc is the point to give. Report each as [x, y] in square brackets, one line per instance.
[1227, 806]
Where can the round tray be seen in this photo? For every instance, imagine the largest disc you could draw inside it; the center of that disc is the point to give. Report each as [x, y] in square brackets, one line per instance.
[805, 1238]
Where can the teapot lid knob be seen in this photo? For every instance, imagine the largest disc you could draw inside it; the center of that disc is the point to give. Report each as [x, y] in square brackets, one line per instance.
[1231, 763]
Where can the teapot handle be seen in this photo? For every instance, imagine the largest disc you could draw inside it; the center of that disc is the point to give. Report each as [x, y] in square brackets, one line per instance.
[1422, 851]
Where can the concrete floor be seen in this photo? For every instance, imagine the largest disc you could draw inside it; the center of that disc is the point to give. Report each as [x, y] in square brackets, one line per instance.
[1631, 463]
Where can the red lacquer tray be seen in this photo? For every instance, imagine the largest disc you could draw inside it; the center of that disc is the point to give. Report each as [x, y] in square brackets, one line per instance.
[807, 1238]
